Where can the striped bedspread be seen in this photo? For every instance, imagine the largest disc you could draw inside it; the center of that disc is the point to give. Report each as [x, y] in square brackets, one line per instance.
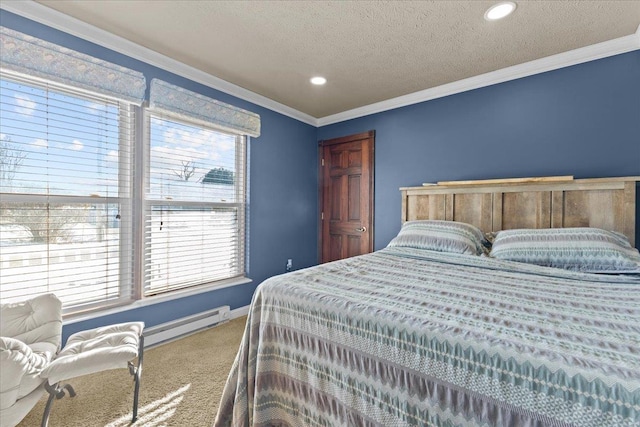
[403, 337]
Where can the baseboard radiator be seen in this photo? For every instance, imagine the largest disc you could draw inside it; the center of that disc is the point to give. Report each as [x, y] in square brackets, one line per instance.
[184, 326]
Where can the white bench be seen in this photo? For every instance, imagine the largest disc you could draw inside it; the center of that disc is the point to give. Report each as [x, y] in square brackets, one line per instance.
[95, 350]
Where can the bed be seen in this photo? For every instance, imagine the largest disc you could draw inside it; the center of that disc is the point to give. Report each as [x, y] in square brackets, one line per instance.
[415, 335]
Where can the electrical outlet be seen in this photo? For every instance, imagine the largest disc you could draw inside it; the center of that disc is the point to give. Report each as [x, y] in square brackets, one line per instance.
[289, 265]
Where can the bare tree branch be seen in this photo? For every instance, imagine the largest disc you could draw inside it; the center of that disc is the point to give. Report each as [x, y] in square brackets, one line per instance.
[187, 171]
[11, 158]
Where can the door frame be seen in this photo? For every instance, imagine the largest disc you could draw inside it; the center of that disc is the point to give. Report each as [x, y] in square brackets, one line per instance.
[342, 140]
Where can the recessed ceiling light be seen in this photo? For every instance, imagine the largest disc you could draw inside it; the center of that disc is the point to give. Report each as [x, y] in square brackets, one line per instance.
[500, 10]
[318, 80]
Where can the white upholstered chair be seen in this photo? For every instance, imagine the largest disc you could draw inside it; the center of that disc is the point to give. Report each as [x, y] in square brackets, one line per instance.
[31, 361]
[30, 336]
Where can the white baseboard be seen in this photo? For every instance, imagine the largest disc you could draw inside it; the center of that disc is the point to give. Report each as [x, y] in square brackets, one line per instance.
[185, 326]
[239, 312]
[172, 335]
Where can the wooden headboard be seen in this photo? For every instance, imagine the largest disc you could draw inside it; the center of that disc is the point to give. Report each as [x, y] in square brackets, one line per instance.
[553, 202]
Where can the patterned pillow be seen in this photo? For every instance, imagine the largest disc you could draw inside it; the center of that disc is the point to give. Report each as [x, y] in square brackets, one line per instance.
[441, 236]
[589, 250]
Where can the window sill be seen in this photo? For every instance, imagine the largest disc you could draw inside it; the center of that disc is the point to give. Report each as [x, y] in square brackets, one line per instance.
[156, 299]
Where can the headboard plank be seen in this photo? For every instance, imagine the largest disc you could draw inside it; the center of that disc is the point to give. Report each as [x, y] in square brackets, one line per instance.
[607, 203]
[525, 209]
[557, 209]
[427, 206]
[470, 208]
[496, 212]
[629, 209]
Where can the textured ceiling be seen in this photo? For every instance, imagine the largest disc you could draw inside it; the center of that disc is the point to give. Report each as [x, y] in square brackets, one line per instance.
[369, 51]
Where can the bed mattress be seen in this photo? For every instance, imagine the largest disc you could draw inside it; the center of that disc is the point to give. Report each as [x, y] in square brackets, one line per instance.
[407, 337]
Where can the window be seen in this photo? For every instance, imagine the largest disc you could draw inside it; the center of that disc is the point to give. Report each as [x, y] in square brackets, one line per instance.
[65, 205]
[194, 205]
[76, 217]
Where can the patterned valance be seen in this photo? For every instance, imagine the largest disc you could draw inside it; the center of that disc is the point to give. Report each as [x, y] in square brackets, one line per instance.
[34, 57]
[166, 97]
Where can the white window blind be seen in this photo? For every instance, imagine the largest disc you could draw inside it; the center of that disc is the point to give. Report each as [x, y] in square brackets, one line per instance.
[194, 204]
[65, 197]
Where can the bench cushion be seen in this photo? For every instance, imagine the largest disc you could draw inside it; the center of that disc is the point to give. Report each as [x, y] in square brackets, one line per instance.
[95, 350]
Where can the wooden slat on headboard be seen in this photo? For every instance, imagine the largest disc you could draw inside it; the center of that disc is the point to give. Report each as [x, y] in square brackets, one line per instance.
[607, 203]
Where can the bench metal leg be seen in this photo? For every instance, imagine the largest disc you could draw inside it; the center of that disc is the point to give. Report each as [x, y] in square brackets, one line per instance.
[55, 391]
[136, 371]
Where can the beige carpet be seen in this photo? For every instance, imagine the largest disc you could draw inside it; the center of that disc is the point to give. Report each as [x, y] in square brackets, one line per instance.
[182, 383]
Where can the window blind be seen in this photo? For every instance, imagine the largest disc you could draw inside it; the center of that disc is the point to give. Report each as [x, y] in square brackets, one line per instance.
[194, 204]
[65, 198]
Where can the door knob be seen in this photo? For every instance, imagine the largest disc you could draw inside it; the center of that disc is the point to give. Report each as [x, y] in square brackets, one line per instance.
[361, 229]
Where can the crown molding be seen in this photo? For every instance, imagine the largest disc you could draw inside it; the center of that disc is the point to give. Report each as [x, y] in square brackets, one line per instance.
[47, 16]
[52, 18]
[549, 63]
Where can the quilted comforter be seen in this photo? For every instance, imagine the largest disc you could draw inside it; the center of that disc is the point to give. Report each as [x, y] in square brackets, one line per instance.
[404, 337]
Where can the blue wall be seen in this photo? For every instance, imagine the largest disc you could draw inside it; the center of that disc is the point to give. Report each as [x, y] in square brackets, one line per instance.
[582, 120]
[283, 189]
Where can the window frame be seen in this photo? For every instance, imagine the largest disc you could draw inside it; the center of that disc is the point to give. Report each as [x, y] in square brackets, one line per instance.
[240, 204]
[127, 117]
[133, 176]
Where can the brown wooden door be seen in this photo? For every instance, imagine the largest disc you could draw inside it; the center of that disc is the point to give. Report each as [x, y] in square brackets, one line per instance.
[346, 196]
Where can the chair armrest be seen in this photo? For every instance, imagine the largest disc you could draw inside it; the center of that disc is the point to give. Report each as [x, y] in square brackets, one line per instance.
[16, 360]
